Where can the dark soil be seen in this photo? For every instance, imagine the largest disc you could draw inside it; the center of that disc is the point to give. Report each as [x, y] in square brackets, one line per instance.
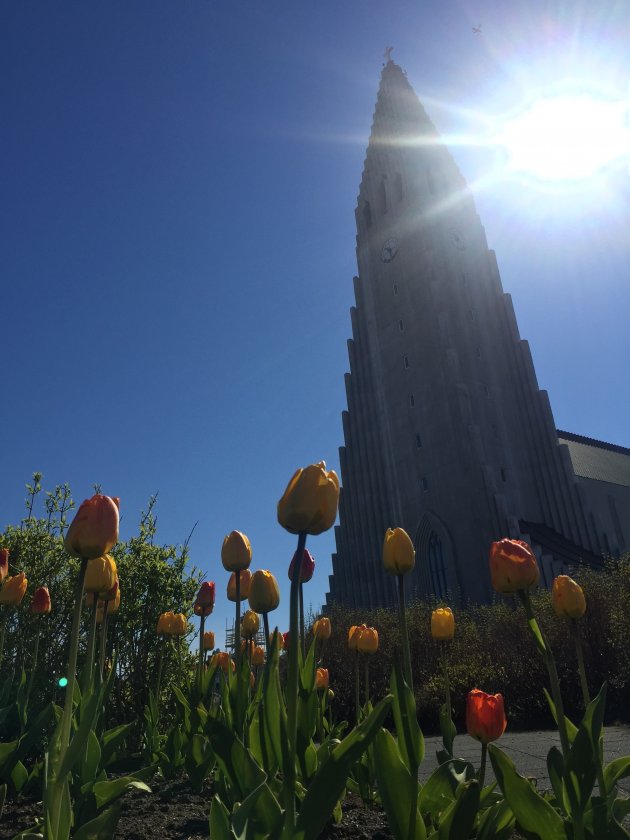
[174, 811]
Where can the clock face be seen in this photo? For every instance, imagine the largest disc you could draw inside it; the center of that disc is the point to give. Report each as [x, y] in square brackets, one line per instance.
[389, 250]
[458, 239]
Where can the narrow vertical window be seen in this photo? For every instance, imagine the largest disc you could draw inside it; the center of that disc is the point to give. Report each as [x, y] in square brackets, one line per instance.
[425, 483]
[418, 442]
[401, 326]
[412, 400]
[395, 288]
[503, 478]
[406, 362]
[486, 390]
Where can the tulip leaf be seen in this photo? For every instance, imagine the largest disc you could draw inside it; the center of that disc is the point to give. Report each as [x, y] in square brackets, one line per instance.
[273, 710]
[396, 787]
[616, 770]
[329, 781]
[410, 738]
[80, 737]
[601, 823]
[219, 821]
[19, 776]
[571, 727]
[106, 792]
[91, 758]
[555, 769]
[448, 729]
[102, 827]
[258, 816]
[496, 823]
[243, 773]
[3, 796]
[439, 791]
[111, 740]
[458, 820]
[7, 749]
[533, 812]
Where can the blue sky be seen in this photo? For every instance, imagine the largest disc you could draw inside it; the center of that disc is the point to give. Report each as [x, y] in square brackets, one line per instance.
[177, 197]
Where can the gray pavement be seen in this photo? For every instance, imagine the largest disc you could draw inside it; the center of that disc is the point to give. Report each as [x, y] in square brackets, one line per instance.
[528, 750]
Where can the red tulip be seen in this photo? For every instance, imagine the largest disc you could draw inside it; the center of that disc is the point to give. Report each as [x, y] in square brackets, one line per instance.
[94, 529]
[204, 603]
[4, 563]
[41, 601]
[307, 568]
[485, 716]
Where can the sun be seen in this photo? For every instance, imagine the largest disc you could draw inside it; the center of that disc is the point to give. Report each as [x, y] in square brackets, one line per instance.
[566, 138]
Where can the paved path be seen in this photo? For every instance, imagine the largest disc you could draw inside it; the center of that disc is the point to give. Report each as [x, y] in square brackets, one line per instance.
[528, 750]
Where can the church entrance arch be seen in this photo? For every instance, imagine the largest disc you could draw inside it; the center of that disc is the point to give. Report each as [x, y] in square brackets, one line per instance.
[436, 558]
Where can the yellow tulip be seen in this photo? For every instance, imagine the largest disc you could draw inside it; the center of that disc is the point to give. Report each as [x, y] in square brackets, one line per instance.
[250, 623]
[309, 503]
[353, 635]
[164, 624]
[367, 641]
[264, 594]
[442, 624]
[13, 590]
[236, 552]
[399, 555]
[567, 597]
[322, 629]
[321, 678]
[100, 574]
[246, 577]
[178, 625]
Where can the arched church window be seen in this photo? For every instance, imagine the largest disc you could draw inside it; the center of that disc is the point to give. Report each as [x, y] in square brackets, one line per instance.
[382, 196]
[367, 214]
[398, 187]
[437, 566]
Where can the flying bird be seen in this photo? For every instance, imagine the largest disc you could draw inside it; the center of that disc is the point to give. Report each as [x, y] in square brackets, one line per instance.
[477, 29]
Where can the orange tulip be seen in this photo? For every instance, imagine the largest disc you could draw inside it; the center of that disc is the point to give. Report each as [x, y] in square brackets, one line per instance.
[13, 590]
[353, 635]
[367, 641]
[258, 656]
[111, 594]
[567, 597]
[223, 661]
[236, 552]
[41, 601]
[513, 566]
[179, 625]
[247, 647]
[485, 716]
[246, 577]
[322, 629]
[164, 624]
[94, 529]
[208, 640]
[321, 678]
[309, 503]
[4, 563]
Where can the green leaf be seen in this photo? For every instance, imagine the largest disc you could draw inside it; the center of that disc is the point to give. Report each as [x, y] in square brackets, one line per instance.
[448, 729]
[533, 812]
[79, 739]
[112, 739]
[259, 815]
[457, 822]
[19, 776]
[3, 796]
[6, 751]
[330, 779]
[496, 823]
[440, 789]
[91, 759]
[616, 770]
[102, 827]
[243, 773]
[555, 769]
[410, 738]
[396, 787]
[584, 755]
[106, 792]
[571, 727]
[219, 821]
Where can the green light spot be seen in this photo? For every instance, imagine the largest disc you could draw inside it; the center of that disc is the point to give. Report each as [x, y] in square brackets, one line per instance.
[63, 682]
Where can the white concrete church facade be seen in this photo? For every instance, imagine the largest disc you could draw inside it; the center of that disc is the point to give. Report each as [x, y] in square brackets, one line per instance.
[447, 433]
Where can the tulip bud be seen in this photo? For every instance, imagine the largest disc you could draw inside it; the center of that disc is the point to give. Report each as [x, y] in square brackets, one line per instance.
[41, 601]
[321, 678]
[204, 603]
[4, 563]
[94, 529]
[258, 656]
[485, 716]
[236, 552]
[567, 597]
[399, 555]
[208, 640]
[13, 590]
[178, 625]
[250, 623]
[353, 635]
[367, 641]
[309, 504]
[331, 696]
[246, 577]
[264, 595]
[322, 629]
[513, 566]
[307, 567]
[100, 574]
[442, 624]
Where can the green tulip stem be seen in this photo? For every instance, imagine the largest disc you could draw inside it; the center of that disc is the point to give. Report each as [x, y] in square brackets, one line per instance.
[367, 679]
[482, 766]
[545, 651]
[266, 626]
[302, 634]
[577, 641]
[357, 687]
[103, 639]
[33, 664]
[66, 720]
[89, 653]
[202, 624]
[178, 644]
[3, 627]
[402, 619]
[237, 626]
[158, 684]
[292, 695]
[447, 685]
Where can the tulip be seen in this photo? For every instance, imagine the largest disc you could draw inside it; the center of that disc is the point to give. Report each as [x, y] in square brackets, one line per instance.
[236, 552]
[112, 593]
[321, 678]
[94, 529]
[223, 661]
[164, 624]
[286, 640]
[513, 566]
[245, 580]
[353, 635]
[204, 603]
[252, 680]
[4, 563]
[442, 624]
[307, 566]
[567, 597]
[264, 594]
[367, 640]
[247, 648]
[250, 623]
[322, 629]
[13, 590]
[178, 625]
[309, 503]
[208, 640]
[41, 601]
[485, 716]
[258, 656]
[100, 574]
[399, 555]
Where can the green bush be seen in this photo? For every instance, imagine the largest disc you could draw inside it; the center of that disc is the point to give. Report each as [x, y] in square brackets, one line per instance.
[492, 650]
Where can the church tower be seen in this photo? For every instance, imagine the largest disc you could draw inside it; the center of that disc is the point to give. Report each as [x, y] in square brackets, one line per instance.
[447, 433]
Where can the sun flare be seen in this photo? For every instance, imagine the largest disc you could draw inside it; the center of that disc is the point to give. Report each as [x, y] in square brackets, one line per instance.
[564, 138]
